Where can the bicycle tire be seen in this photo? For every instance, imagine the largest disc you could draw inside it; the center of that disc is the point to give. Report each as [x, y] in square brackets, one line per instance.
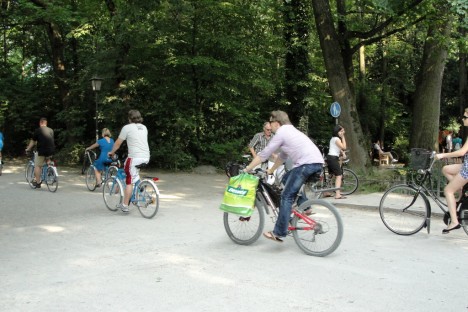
[51, 179]
[404, 210]
[112, 193]
[90, 178]
[325, 235]
[312, 189]
[29, 173]
[88, 161]
[349, 182]
[245, 230]
[147, 199]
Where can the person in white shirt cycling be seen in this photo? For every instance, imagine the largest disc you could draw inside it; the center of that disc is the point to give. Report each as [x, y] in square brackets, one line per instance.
[136, 135]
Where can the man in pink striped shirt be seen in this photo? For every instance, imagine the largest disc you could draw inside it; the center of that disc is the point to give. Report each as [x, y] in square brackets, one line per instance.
[306, 159]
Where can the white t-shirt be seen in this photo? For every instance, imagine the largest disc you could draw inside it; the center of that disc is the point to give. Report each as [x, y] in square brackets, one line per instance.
[334, 150]
[136, 135]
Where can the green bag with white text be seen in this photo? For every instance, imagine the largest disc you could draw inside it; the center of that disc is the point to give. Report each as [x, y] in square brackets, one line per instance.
[239, 196]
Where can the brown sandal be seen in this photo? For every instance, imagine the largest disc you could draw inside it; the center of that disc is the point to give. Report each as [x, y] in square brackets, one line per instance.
[273, 237]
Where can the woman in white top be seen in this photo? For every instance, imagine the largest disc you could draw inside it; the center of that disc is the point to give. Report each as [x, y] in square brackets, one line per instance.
[337, 147]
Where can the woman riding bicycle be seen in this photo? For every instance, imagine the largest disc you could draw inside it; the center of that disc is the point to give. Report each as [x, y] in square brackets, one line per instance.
[105, 145]
[306, 158]
[457, 175]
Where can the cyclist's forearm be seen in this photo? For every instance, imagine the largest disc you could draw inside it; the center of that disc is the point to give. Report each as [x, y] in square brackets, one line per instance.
[278, 162]
[93, 146]
[116, 146]
[255, 162]
[30, 145]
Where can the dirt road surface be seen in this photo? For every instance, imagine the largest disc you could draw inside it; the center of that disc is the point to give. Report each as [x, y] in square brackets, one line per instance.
[65, 251]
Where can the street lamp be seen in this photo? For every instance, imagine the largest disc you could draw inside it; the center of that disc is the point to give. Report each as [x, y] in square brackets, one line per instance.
[96, 84]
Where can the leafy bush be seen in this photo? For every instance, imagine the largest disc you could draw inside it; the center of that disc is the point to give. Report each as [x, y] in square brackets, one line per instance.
[70, 155]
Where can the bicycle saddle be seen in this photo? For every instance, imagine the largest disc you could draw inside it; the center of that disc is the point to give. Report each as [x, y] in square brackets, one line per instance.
[141, 165]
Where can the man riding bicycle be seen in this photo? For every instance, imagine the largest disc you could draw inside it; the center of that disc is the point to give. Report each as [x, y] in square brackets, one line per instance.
[43, 137]
[306, 158]
[136, 135]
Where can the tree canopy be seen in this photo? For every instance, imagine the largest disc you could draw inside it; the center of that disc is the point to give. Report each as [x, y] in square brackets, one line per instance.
[205, 73]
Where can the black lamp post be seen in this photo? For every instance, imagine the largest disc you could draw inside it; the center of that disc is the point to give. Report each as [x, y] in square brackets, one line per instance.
[96, 84]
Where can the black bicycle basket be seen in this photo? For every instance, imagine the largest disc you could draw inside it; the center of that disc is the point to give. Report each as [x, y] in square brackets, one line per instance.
[420, 158]
[232, 169]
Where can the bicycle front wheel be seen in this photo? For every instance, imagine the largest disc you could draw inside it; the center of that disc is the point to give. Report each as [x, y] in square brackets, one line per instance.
[51, 179]
[404, 210]
[321, 233]
[91, 178]
[147, 199]
[349, 182]
[112, 172]
[245, 230]
[29, 173]
[112, 193]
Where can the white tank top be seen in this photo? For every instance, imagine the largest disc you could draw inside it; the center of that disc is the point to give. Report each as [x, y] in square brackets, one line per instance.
[334, 150]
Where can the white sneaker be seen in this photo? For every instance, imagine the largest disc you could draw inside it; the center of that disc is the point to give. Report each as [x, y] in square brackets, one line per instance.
[122, 207]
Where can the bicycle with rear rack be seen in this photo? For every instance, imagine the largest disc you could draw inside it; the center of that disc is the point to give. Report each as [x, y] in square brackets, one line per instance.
[145, 194]
[110, 170]
[49, 173]
[316, 224]
[405, 208]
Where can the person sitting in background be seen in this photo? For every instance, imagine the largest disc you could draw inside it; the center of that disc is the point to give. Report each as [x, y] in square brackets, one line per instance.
[381, 152]
[105, 145]
[457, 144]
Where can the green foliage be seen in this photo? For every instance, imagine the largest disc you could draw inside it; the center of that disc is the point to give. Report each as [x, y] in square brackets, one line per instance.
[70, 155]
[205, 74]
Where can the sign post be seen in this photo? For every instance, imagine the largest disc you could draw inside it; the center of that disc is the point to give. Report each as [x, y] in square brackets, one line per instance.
[335, 111]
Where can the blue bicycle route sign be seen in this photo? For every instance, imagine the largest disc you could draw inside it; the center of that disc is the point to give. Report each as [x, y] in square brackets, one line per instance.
[335, 109]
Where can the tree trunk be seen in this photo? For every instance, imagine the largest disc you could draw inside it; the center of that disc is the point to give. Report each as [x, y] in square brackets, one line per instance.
[463, 84]
[340, 84]
[426, 105]
[383, 97]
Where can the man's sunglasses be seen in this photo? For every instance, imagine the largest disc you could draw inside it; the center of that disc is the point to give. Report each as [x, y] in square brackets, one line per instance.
[464, 117]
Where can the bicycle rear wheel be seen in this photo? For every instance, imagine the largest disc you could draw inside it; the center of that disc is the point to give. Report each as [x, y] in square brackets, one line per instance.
[51, 179]
[312, 189]
[349, 182]
[404, 210]
[112, 193]
[245, 230]
[147, 199]
[323, 234]
[90, 178]
[29, 173]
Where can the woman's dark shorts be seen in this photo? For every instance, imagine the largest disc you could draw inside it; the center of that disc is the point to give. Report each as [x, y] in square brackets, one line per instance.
[334, 165]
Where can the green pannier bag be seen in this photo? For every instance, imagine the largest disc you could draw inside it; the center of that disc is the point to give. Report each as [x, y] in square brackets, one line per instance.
[239, 196]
